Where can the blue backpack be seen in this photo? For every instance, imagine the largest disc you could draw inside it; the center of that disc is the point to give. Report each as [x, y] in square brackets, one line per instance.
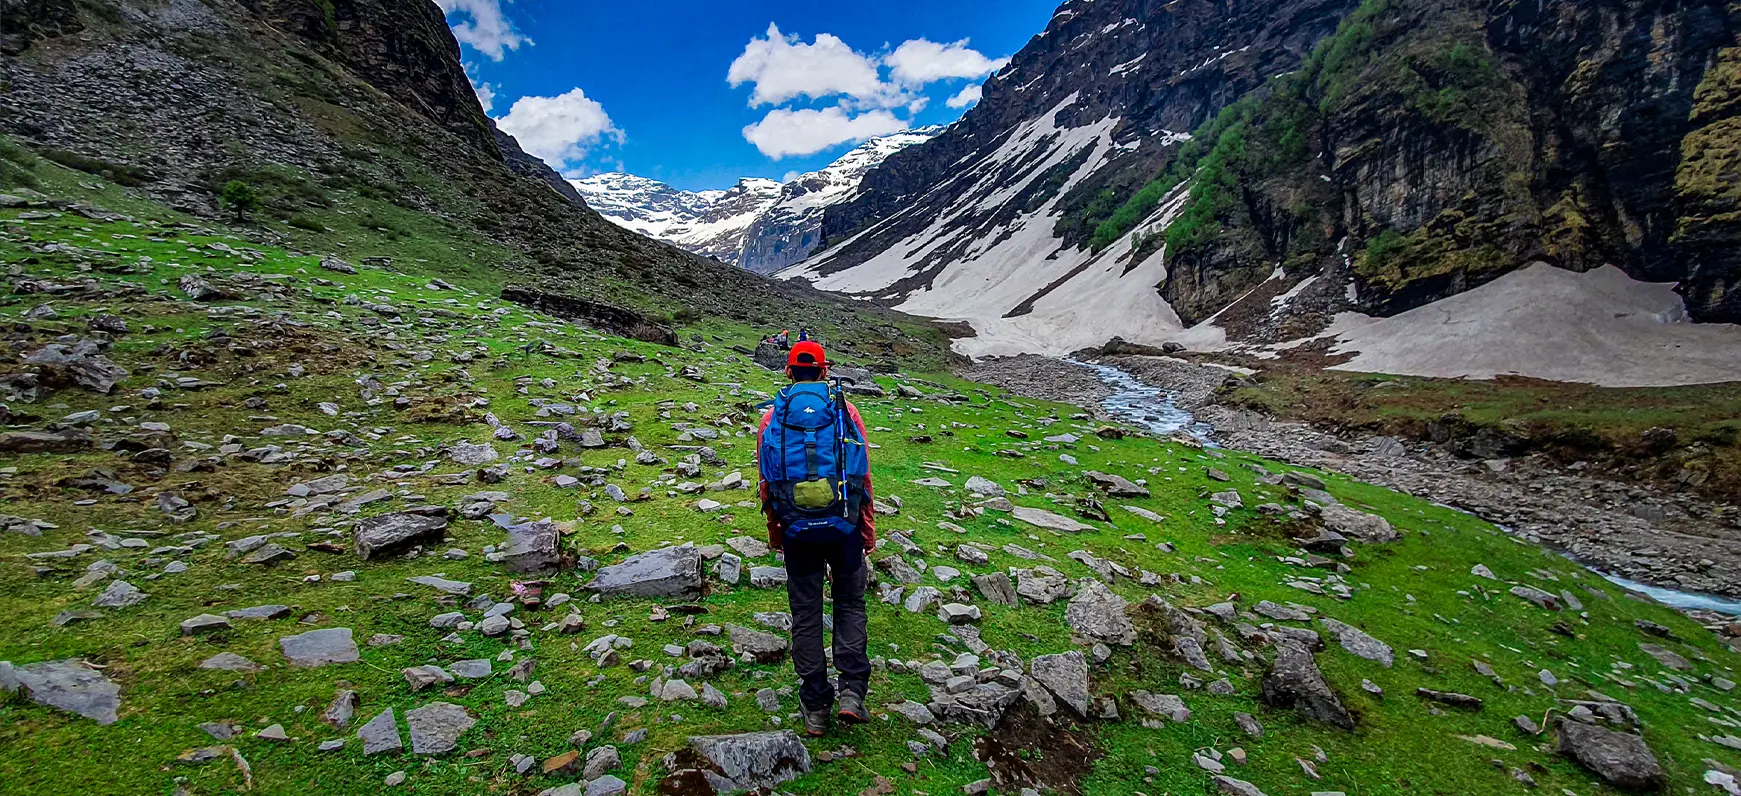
[814, 462]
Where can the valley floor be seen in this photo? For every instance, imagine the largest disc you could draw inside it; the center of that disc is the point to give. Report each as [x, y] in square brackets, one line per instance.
[265, 512]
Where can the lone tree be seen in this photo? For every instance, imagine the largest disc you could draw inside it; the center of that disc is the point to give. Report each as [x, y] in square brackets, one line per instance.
[240, 198]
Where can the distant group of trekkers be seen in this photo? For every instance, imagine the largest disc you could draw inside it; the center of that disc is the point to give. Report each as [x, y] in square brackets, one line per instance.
[784, 338]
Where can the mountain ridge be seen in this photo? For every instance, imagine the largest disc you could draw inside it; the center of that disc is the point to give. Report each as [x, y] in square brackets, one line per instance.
[758, 224]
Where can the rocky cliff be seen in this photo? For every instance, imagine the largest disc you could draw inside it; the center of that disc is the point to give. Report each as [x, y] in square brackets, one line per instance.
[1300, 159]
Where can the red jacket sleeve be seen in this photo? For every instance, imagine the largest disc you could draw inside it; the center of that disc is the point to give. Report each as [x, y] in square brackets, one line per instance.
[776, 538]
[867, 514]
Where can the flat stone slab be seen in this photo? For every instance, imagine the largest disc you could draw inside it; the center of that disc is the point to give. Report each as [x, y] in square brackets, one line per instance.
[531, 547]
[381, 734]
[754, 760]
[458, 587]
[318, 648]
[1358, 642]
[388, 534]
[436, 727]
[230, 662]
[1066, 676]
[666, 572]
[67, 685]
[1049, 520]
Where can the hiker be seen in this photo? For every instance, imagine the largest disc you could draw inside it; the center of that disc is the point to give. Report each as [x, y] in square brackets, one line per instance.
[803, 334]
[783, 339]
[816, 493]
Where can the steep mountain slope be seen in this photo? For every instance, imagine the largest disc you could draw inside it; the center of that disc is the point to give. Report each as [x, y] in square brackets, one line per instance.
[1419, 150]
[351, 119]
[760, 225]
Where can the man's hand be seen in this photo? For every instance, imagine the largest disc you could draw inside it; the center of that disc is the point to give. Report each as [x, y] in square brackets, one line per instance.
[870, 546]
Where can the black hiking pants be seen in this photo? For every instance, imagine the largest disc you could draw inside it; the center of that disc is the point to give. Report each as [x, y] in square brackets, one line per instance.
[806, 565]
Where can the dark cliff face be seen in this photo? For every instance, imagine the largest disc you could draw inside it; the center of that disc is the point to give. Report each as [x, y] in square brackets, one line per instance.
[1157, 67]
[1441, 145]
[401, 47]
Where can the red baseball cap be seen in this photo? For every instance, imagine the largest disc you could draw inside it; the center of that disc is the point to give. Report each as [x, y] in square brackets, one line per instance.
[807, 354]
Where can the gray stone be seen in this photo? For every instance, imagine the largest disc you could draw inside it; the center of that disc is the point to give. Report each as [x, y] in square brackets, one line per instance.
[67, 685]
[984, 487]
[958, 613]
[1537, 596]
[1066, 676]
[320, 647]
[1235, 787]
[1169, 706]
[1294, 682]
[531, 547]
[1621, 759]
[1050, 521]
[204, 623]
[599, 760]
[763, 647]
[456, 587]
[259, 612]
[914, 712]
[1666, 657]
[119, 594]
[436, 727]
[470, 454]
[1116, 485]
[1358, 642]
[1042, 585]
[421, 677]
[380, 734]
[229, 662]
[1097, 613]
[767, 577]
[997, 588]
[666, 572]
[755, 759]
[343, 708]
[608, 785]
[472, 669]
[730, 568]
[388, 534]
[1357, 524]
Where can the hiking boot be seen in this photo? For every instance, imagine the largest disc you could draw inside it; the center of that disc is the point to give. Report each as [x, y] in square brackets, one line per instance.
[815, 722]
[852, 708]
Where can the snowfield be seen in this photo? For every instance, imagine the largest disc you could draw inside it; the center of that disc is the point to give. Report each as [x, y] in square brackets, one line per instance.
[1600, 327]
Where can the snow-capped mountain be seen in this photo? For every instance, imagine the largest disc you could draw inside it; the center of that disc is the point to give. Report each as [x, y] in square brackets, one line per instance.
[709, 223]
[760, 225]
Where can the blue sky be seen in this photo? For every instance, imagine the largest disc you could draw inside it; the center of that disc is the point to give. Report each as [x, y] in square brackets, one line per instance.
[642, 86]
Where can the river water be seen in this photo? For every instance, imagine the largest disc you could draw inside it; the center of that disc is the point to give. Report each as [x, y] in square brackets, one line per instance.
[1139, 404]
[1152, 408]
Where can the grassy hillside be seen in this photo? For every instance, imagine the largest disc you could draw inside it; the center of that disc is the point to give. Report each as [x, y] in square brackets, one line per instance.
[411, 368]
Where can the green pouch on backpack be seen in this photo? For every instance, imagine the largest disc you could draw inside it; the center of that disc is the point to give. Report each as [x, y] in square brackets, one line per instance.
[813, 495]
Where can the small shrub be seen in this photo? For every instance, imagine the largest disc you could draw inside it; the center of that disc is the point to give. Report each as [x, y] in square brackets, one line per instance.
[239, 198]
[308, 222]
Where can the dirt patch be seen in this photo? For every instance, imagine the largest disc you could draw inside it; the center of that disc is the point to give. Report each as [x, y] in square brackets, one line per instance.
[1027, 750]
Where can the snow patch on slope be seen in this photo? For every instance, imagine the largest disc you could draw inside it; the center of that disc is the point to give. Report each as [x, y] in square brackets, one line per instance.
[1016, 284]
[1600, 327]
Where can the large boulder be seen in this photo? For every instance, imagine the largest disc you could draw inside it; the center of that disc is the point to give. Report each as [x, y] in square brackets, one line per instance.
[1066, 676]
[770, 355]
[1358, 642]
[1621, 759]
[531, 547]
[80, 362]
[67, 685]
[748, 761]
[1357, 524]
[1099, 614]
[388, 534]
[1294, 682]
[436, 727]
[666, 572]
[1116, 485]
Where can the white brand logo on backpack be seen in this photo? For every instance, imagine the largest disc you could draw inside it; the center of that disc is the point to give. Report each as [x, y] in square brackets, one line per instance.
[809, 411]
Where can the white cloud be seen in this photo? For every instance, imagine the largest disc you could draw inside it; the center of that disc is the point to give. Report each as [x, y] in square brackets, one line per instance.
[802, 132]
[966, 96]
[560, 129]
[783, 67]
[920, 61]
[489, 31]
[486, 95]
